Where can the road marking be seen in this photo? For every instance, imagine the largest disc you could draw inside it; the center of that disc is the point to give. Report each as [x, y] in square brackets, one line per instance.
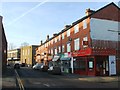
[19, 81]
[47, 85]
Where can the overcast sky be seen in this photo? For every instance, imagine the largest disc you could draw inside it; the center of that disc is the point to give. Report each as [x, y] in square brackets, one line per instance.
[31, 22]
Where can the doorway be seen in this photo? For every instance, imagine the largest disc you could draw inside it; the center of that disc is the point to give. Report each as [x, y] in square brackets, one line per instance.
[102, 66]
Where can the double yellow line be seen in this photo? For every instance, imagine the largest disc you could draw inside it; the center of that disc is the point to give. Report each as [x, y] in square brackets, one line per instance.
[19, 81]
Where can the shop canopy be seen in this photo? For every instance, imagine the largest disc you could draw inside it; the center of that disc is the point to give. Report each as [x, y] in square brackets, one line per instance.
[65, 58]
[55, 58]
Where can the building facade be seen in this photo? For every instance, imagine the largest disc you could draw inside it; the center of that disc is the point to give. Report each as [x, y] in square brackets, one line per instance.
[3, 48]
[13, 56]
[27, 55]
[89, 46]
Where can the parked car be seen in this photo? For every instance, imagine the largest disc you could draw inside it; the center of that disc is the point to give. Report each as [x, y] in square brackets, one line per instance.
[22, 64]
[37, 66]
[16, 66]
[54, 70]
[44, 68]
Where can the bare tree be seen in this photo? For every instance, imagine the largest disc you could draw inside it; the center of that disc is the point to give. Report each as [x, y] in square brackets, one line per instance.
[24, 44]
[11, 46]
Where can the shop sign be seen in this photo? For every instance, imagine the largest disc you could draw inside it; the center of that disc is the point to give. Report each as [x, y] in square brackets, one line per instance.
[82, 52]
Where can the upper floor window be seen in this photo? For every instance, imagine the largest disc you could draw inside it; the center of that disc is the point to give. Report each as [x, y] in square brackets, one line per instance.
[76, 44]
[85, 42]
[59, 37]
[68, 33]
[55, 50]
[51, 51]
[68, 47]
[51, 41]
[63, 48]
[63, 36]
[84, 24]
[55, 39]
[59, 49]
[76, 28]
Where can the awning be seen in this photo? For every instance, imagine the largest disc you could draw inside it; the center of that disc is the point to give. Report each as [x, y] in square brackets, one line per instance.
[55, 58]
[65, 58]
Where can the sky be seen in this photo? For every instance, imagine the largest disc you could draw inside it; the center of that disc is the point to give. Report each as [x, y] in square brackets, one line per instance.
[31, 22]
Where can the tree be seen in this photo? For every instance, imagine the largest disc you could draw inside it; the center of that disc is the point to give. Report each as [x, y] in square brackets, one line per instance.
[11, 46]
[24, 44]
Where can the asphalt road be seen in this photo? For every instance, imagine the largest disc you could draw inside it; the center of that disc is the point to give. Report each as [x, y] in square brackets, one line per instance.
[37, 79]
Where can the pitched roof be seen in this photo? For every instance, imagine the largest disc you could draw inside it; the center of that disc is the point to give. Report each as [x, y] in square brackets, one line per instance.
[80, 20]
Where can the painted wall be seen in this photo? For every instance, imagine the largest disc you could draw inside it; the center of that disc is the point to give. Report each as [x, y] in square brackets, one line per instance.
[99, 29]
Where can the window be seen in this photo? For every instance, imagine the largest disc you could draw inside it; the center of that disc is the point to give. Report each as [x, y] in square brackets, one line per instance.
[68, 47]
[59, 37]
[28, 51]
[84, 24]
[23, 52]
[85, 42]
[51, 51]
[55, 39]
[76, 28]
[68, 33]
[76, 44]
[80, 64]
[55, 50]
[59, 49]
[63, 47]
[51, 41]
[63, 36]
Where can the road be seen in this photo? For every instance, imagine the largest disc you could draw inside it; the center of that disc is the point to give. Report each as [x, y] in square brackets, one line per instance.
[37, 79]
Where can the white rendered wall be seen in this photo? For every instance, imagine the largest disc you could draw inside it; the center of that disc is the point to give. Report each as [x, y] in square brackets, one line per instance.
[99, 29]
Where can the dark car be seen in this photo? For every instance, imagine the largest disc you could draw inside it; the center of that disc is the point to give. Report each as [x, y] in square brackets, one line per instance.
[16, 66]
[23, 65]
[54, 70]
[44, 68]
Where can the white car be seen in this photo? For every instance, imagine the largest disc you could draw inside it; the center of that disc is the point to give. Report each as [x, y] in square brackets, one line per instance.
[37, 66]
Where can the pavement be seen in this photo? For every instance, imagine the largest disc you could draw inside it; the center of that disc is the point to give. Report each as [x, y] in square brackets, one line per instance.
[94, 78]
[9, 79]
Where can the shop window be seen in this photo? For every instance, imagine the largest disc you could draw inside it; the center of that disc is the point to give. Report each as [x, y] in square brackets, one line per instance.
[91, 63]
[80, 64]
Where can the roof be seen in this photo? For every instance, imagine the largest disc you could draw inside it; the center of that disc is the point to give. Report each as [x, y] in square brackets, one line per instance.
[80, 20]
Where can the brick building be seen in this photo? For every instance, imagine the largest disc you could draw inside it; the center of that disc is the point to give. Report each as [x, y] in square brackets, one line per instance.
[89, 46]
[3, 47]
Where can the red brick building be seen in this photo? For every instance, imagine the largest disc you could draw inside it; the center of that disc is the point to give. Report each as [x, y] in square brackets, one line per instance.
[89, 46]
[3, 47]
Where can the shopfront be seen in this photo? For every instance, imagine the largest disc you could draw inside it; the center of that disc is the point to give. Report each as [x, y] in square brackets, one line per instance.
[94, 62]
[66, 63]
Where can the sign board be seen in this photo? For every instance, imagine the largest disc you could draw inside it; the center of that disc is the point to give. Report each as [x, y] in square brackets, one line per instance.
[112, 65]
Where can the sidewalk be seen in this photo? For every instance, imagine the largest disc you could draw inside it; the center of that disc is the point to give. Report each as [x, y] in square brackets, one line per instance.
[93, 78]
[8, 79]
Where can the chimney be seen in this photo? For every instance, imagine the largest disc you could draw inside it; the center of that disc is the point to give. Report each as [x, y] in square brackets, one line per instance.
[47, 37]
[66, 26]
[88, 11]
[41, 42]
[55, 34]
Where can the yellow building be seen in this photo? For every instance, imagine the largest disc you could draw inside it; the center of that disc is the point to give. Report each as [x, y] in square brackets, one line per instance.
[27, 55]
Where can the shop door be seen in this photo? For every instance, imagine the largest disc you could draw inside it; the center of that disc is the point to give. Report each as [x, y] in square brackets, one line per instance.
[102, 68]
